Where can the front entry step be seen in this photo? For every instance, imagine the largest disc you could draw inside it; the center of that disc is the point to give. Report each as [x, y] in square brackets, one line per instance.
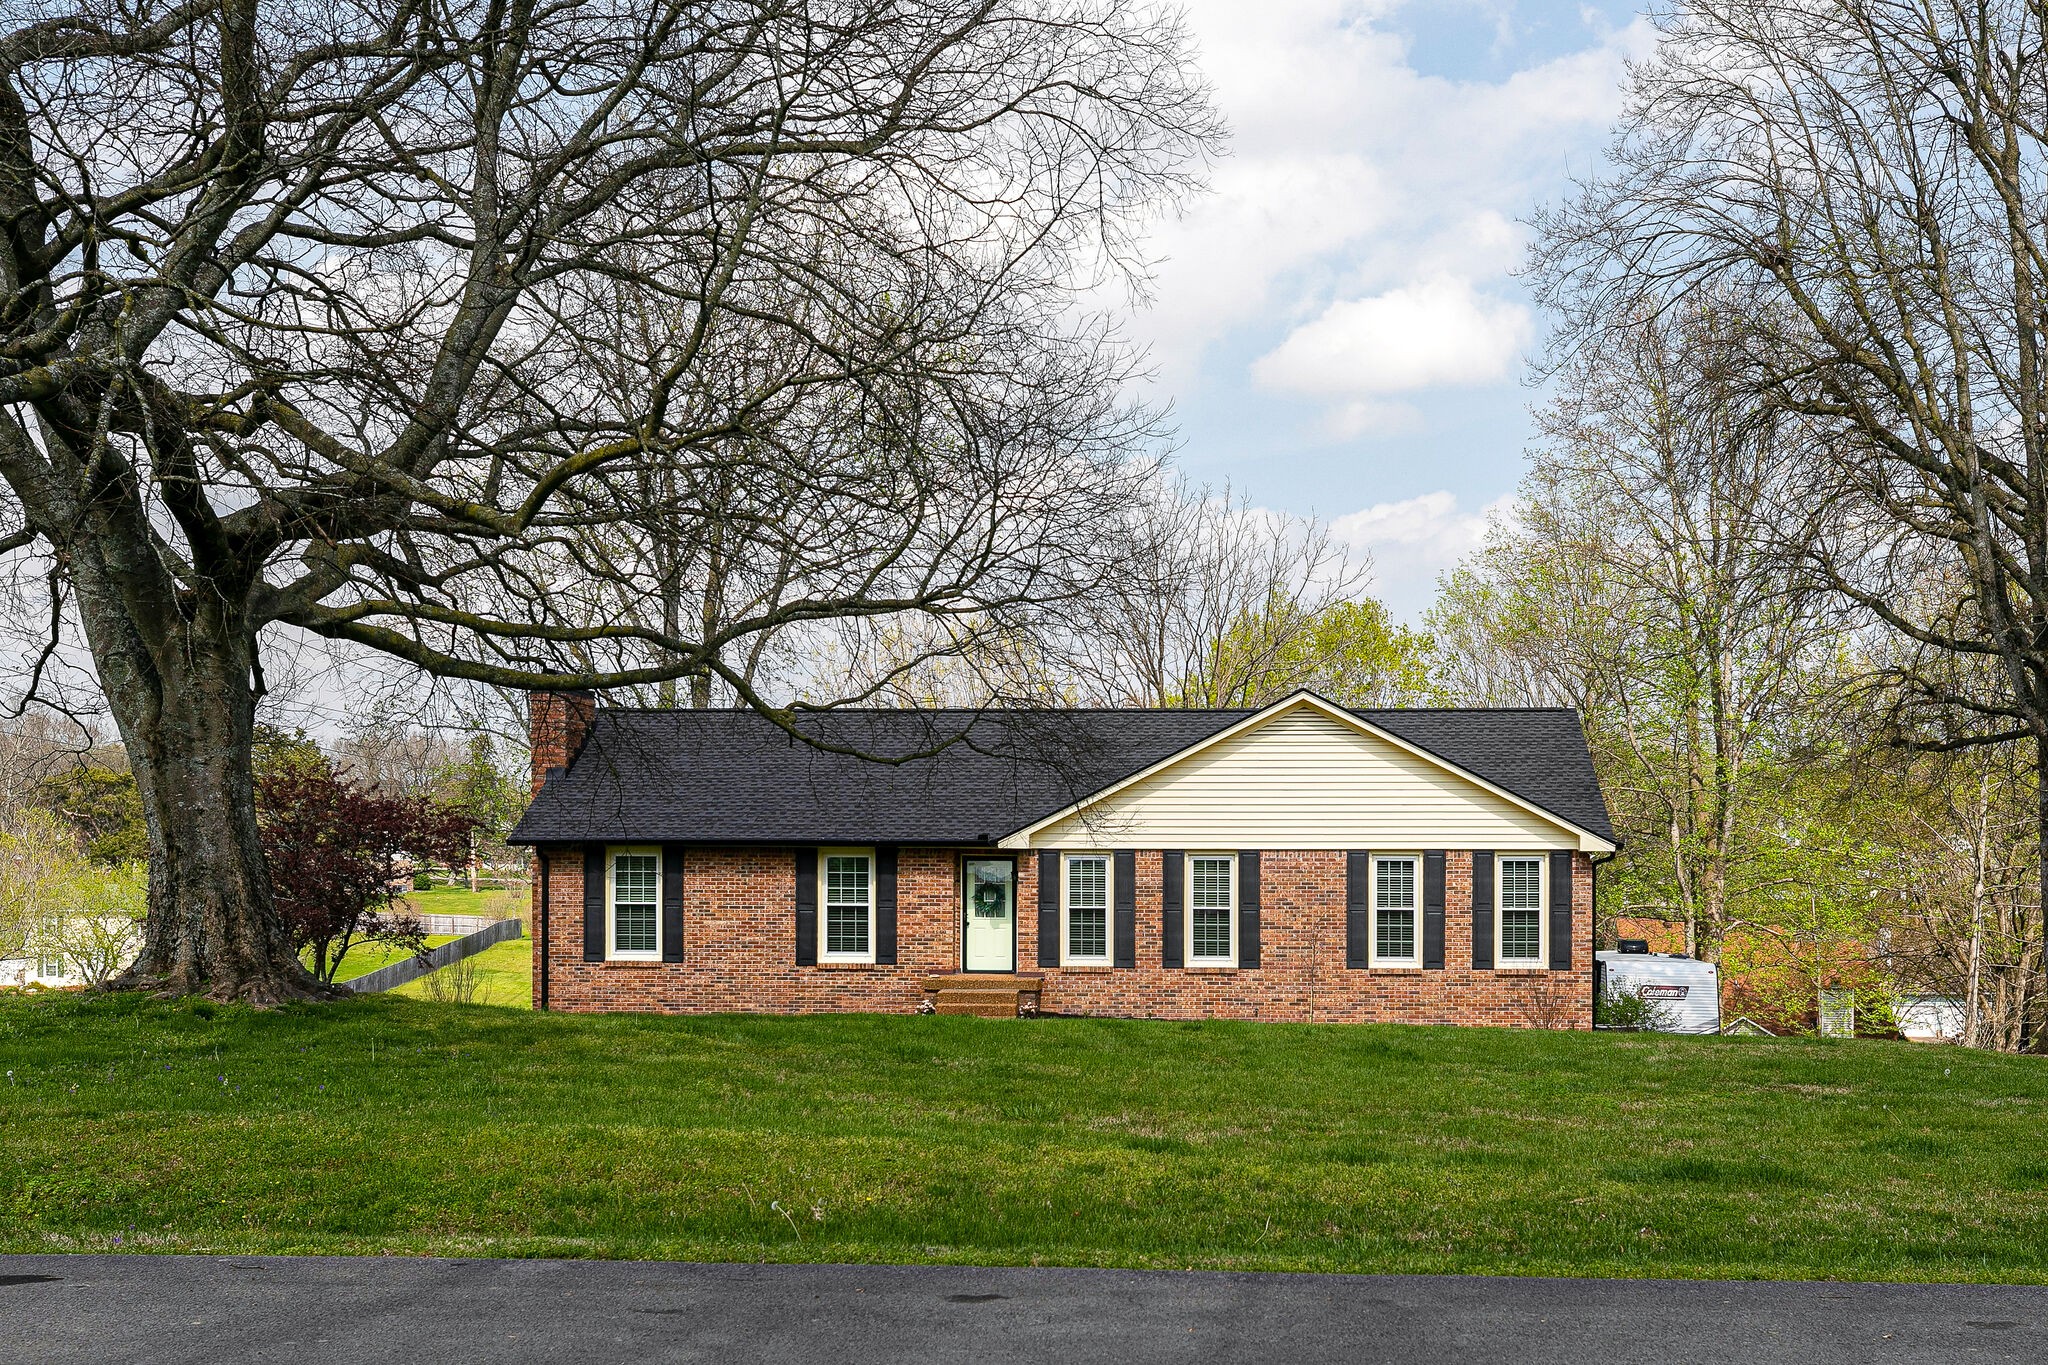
[991, 995]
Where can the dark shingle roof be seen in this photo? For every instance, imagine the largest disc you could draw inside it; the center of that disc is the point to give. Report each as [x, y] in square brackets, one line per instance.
[734, 777]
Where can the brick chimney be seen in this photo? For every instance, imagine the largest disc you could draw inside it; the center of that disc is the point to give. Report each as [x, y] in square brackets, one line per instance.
[557, 723]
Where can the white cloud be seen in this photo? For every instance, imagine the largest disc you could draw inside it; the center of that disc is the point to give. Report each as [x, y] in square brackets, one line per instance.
[1435, 333]
[1352, 176]
[1370, 416]
[1416, 539]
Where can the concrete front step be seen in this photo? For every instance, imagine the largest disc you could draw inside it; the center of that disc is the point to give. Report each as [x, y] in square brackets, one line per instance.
[985, 981]
[1003, 1009]
[990, 995]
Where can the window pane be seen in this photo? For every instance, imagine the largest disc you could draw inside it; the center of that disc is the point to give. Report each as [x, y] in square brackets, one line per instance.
[1209, 883]
[1088, 932]
[846, 879]
[1212, 933]
[1521, 935]
[633, 929]
[1396, 934]
[1521, 884]
[636, 878]
[846, 928]
[1087, 882]
[1395, 884]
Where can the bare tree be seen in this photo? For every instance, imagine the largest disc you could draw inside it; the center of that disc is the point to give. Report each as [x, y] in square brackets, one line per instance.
[35, 746]
[1211, 593]
[393, 757]
[295, 305]
[1959, 834]
[1871, 174]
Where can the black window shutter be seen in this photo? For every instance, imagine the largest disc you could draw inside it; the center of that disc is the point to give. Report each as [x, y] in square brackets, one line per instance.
[885, 905]
[1248, 907]
[1126, 897]
[671, 902]
[807, 907]
[1358, 908]
[1173, 868]
[1561, 910]
[1433, 911]
[1482, 910]
[593, 903]
[1049, 907]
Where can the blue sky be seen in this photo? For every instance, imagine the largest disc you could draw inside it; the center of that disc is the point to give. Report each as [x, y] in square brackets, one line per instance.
[1337, 324]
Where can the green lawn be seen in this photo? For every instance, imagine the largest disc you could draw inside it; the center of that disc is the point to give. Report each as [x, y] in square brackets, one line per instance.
[392, 1125]
[460, 900]
[364, 958]
[504, 976]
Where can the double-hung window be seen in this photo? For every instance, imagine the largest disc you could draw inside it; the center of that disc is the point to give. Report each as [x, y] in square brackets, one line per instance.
[1087, 906]
[1518, 883]
[1395, 942]
[636, 904]
[1212, 910]
[848, 876]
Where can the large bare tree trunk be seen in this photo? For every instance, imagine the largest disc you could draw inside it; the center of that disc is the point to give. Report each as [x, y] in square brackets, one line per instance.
[2033, 1031]
[186, 705]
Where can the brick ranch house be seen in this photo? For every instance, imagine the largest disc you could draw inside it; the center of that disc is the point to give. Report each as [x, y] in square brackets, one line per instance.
[1299, 862]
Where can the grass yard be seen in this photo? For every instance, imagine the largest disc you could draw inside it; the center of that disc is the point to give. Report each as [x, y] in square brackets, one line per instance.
[365, 958]
[504, 976]
[460, 900]
[393, 1125]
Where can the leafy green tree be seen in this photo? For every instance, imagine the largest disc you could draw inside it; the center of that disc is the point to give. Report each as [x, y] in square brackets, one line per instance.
[276, 751]
[103, 806]
[489, 798]
[95, 927]
[1864, 178]
[1349, 652]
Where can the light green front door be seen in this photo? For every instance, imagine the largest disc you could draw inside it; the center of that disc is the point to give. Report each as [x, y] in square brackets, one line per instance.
[989, 940]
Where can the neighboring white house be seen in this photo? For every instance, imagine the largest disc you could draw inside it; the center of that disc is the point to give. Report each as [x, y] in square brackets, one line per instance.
[1931, 1018]
[76, 950]
[18, 972]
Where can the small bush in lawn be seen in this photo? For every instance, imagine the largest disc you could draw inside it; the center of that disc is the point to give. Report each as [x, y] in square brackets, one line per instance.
[1621, 1009]
[454, 984]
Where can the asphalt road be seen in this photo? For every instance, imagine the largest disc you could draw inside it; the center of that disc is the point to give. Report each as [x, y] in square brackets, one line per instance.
[311, 1310]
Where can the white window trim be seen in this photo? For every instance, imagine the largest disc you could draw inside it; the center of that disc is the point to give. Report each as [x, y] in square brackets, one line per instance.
[1373, 957]
[1188, 910]
[611, 902]
[825, 905]
[1542, 959]
[1067, 956]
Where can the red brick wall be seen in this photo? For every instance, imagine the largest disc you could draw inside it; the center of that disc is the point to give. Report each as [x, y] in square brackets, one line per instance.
[740, 951]
[556, 725]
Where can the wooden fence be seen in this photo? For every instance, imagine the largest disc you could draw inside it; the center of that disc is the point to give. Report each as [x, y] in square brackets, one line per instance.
[412, 968]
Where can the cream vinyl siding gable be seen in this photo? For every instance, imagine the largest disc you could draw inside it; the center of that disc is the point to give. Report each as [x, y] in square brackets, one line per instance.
[1304, 779]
